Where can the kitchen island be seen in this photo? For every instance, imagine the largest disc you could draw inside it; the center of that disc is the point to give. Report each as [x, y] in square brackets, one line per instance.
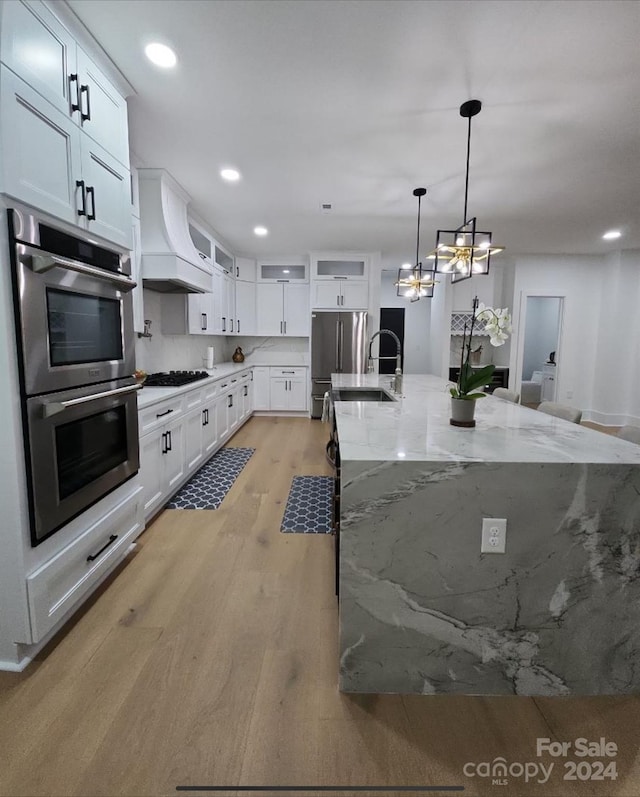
[423, 611]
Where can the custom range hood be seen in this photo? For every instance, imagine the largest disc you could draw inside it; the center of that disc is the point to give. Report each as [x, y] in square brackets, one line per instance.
[170, 261]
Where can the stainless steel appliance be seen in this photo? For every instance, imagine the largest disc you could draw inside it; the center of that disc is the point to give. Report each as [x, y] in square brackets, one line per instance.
[83, 443]
[74, 307]
[75, 344]
[338, 345]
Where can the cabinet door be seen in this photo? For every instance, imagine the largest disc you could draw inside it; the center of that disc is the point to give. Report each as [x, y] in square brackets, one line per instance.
[209, 430]
[269, 310]
[297, 314]
[152, 471]
[108, 194]
[245, 308]
[230, 292]
[40, 151]
[247, 401]
[297, 394]
[355, 295]
[136, 273]
[174, 458]
[261, 384]
[245, 269]
[222, 417]
[216, 302]
[42, 52]
[325, 295]
[194, 431]
[103, 111]
[201, 313]
[233, 409]
[279, 394]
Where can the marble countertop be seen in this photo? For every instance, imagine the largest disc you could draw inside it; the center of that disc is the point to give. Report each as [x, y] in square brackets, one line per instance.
[416, 427]
[153, 395]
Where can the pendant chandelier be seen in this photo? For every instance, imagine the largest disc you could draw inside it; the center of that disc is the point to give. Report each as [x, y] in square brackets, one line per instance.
[416, 283]
[466, 251]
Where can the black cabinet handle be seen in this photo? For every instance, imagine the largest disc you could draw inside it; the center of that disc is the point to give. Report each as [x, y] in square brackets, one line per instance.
[84, 117]
[237, 271]
[94, 556]
[288, 372]
[204, 257]
[90, 190]
[169, 448]
[203, 321]
[83, 209]
[224, 324]
[238, 326]
[230, 404]
[232, 324]
[75, 106]
[233, 380]
[246, 390]
[162, 414]
[164, 443]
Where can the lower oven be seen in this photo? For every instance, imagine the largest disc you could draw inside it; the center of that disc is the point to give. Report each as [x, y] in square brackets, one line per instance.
[81, 444]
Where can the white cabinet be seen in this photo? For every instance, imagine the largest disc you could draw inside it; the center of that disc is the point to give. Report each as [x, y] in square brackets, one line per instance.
[49, 164]
[229, 304]
[224, 303]
[202, 241]
[245, 308]
[283, 309]
[162, 462]
[194, 423]
[201, 313]
[261, 382]
[41, 51]
[288, 389]
[282, 270]
[342, 294]
[103, 110]
[223, 259]
[339, 266]
[245, 269]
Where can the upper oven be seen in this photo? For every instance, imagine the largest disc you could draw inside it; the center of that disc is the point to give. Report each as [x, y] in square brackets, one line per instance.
[74, 308]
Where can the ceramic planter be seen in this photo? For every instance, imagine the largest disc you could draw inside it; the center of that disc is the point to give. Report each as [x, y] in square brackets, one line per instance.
[462, 412]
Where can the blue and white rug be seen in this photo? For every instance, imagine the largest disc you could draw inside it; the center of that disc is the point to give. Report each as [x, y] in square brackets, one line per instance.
[308, 509]
[207, 488]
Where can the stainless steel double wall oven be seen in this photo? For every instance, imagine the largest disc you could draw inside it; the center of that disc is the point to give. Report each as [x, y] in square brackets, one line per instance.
[75, 343]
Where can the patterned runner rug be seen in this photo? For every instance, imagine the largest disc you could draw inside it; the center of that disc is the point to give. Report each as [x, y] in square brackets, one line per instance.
[207, 487]
[308, 509]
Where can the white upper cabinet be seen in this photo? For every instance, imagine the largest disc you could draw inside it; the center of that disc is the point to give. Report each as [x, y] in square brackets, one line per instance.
[245, 269]
[337, 266]
[40, 152]
[282, 270]
[202, 241]
[40, 50]
[107, 194]
[245, 307]
[283, 309]
[339, 295]
[103, 111]
[224, 260]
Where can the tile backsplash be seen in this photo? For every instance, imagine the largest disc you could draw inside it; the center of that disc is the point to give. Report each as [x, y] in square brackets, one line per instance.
[175, 352]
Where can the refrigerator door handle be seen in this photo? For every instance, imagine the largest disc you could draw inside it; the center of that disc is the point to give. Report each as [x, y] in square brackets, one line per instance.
[341, 344]
[337, 347]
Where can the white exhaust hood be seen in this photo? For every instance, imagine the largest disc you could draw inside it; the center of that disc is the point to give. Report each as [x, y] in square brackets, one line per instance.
[170, 261]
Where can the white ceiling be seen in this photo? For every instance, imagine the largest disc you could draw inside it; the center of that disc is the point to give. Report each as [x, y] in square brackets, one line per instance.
[356, 103]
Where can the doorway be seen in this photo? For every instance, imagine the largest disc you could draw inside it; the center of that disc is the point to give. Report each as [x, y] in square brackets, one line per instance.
[540, 349]
[391, 318]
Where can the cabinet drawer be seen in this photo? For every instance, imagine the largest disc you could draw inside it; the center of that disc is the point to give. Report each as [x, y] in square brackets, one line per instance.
[288, 373]
[192, 399]
[62, 582]
[153, 417]
[211, 391]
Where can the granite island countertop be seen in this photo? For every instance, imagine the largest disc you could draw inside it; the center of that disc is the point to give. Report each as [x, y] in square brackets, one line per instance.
[424, 610]
[416, 427]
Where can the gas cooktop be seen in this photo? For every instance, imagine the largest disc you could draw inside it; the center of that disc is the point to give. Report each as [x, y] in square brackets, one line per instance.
[174, 378]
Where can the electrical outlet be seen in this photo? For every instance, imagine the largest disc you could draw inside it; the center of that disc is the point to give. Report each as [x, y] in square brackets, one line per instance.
[494, 535]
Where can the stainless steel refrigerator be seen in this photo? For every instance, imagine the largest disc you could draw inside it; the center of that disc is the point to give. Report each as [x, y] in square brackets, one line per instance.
[338, 345]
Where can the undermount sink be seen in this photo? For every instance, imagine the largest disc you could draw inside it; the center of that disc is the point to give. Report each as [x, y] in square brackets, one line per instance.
[361, 394]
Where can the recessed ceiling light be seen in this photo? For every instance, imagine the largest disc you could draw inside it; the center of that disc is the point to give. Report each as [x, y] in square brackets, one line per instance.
[160, 55]
[612, 235]
[230, 174]
[260, 230]
[406, 265]
[285, 270]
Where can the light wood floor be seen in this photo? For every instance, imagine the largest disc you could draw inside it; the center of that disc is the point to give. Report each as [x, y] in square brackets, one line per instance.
[210, 658]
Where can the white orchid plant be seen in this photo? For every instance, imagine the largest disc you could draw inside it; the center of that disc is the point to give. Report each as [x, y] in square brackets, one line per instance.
[497, 322]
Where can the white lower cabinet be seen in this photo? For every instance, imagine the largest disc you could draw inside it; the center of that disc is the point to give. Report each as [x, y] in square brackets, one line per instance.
[162, 463]
[288, 389]
[62, 582]
[261, 380]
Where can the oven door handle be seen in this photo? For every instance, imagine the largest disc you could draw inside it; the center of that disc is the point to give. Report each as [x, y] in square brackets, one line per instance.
[43, 263]
[54, 407]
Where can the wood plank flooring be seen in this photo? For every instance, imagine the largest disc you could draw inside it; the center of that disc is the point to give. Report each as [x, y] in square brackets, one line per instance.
[210, 658]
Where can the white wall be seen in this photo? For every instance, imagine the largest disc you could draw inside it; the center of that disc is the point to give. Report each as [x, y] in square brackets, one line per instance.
[541, 333]
[579, 279]
[417, 323]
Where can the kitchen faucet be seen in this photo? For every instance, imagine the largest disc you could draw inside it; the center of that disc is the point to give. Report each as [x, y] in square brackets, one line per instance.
[397, 380]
